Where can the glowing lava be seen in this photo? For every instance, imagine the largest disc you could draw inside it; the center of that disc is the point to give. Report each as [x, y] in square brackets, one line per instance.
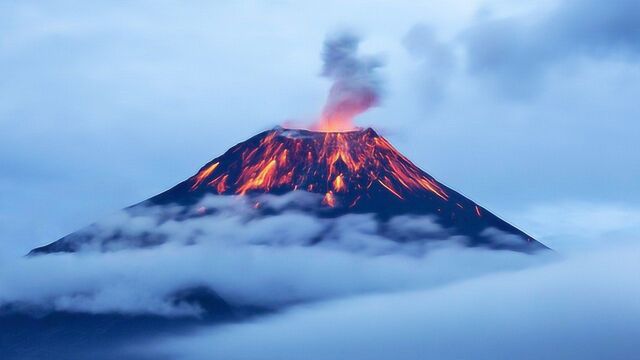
[343, 166]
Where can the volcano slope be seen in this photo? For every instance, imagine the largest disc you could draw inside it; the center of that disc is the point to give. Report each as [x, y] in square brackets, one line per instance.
[339, 174]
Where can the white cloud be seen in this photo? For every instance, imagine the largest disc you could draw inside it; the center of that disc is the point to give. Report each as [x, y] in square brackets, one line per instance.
[247, 259]
[268, 261]
[141, 281]
[584, 307]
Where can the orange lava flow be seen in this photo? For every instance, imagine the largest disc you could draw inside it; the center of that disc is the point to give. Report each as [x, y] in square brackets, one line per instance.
[202, 175]
[338, 184]
[264, 179]
[346, 165]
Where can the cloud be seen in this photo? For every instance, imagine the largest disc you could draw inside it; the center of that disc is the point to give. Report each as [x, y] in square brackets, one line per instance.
[583, 307]
[141, 281]
[502, 238]
[252, 260]
[448, 300]
[134, 261]
[292, 219]
[437, 57]
[575, 226]
[519, 51]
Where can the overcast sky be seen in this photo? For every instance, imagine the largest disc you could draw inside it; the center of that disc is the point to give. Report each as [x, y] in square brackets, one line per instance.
[524, 106]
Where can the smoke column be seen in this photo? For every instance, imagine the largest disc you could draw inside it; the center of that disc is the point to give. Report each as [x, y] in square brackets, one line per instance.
[356, 86]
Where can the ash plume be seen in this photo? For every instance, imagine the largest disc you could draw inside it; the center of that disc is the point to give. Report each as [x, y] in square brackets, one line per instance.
[356, 86]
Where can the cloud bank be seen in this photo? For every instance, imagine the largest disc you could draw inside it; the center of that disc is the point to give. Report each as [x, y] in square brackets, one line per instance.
[584, 307]
[136, 260]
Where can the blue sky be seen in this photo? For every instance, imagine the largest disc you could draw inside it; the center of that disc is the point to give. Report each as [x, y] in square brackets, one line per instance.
[520, 105]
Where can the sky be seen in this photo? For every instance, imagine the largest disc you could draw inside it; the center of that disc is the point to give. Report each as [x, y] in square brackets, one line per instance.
[529, 108]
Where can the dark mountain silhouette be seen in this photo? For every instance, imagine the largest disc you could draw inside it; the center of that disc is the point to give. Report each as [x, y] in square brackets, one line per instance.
[354, 172]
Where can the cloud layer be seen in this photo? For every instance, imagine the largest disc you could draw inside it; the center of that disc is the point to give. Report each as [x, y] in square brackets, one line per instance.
[136, 259]
[583, 307]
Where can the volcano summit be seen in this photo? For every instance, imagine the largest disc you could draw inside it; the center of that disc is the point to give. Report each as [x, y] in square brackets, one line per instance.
[343, 173]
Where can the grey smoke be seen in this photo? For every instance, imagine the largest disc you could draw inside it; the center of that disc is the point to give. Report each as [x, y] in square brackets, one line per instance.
[356, 84]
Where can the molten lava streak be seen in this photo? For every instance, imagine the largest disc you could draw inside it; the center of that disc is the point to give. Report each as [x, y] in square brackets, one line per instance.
[343, 166]
[203, 174]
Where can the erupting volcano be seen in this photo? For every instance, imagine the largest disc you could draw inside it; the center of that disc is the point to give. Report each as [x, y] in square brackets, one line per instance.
[348, 170]
[352, 172]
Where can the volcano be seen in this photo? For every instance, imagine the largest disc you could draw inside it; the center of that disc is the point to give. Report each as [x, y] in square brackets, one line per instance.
[349, 172]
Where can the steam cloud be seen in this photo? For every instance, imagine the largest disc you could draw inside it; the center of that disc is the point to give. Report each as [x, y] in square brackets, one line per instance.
[356, 86]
